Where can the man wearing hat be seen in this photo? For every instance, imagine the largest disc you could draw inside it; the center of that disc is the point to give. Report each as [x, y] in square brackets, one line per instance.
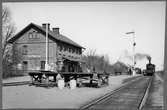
[59, 65]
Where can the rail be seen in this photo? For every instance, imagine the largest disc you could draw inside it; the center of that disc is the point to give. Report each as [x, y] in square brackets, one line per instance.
[110, 94]
[146, 94]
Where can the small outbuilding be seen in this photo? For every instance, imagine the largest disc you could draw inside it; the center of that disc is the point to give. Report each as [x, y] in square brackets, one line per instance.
[120, 67]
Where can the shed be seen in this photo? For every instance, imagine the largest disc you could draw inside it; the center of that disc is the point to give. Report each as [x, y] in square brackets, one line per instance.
[120, 67]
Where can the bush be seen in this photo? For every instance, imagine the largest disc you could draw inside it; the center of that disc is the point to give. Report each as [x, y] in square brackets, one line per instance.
[8, 72]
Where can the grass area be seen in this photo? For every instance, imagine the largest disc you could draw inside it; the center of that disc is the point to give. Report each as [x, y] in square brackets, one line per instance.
[130, 79]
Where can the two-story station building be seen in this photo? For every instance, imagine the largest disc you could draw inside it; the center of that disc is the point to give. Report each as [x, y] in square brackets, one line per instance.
[32, 42]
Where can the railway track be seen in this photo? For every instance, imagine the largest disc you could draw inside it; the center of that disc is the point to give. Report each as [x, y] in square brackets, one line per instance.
[15, 83]
[155, 96]
[132, 95]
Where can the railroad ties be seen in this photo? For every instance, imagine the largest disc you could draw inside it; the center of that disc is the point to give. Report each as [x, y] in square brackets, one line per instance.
[127, 97]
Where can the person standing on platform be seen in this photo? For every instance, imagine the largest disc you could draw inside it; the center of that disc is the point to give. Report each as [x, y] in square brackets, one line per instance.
[88, 70]
[80, 67]
[54, 69]
[59, 67]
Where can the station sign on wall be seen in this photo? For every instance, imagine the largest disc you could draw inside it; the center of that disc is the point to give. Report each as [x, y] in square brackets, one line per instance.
[33, 56]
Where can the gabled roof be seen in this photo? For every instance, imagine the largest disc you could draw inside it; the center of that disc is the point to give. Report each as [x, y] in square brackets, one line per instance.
[58, 37]
[123, 64]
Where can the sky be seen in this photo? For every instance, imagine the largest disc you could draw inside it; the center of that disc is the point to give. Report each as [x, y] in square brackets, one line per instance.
[102, 26]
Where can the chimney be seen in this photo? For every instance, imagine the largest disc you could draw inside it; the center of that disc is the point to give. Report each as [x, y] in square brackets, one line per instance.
[149, 61]
[55, 30]
[44, 26]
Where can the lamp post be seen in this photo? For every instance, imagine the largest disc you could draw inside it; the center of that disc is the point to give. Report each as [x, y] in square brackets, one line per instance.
[133, 50]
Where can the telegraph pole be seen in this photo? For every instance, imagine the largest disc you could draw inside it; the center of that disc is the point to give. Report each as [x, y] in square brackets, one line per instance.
[46, 64]
[133, 50]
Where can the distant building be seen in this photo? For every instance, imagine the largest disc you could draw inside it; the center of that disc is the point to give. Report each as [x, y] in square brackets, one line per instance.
[120, 67]
[32, 42]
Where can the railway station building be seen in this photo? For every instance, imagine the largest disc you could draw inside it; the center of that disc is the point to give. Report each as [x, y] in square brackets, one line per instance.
[31, 42]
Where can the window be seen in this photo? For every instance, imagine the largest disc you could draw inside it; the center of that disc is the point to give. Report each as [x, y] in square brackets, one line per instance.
[25, 66]
[76, 53]
[42, 65]
[80, 53]
[59, 49]
[30, 35]
[38, 35]
[68, 53]
[69, 49]
[34, 34]
[25, 51]
[63, 48]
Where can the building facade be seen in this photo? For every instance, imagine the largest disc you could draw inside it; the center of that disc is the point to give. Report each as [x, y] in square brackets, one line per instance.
[31, 41]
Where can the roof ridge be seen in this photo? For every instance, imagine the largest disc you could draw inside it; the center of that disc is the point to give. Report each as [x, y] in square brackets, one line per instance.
[51, 33]
[54, 35]
[123, 63]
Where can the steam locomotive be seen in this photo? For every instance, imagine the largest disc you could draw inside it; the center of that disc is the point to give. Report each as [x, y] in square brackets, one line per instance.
[150, 69]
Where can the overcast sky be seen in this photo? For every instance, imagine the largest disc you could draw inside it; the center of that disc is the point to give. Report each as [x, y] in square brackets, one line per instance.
[102, 26]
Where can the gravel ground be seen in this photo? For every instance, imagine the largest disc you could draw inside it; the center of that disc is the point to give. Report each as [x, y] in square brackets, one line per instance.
[26, 96]
[155, 97]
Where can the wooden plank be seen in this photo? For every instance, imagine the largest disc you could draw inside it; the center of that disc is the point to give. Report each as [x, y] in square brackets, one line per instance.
[103, 80]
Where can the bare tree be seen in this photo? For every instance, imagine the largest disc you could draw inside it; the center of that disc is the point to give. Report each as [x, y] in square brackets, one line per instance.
[106, 64]
[98, 62]
[90, 56]
[8, 28]
[8, 31]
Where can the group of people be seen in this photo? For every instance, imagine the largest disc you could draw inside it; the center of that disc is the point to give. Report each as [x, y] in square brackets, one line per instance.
[68, 66]
[56, 66]
[130, 70]
[61, 66]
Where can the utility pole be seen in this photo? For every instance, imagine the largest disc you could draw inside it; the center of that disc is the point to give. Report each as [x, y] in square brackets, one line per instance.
[133, 50]
[46, 64]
